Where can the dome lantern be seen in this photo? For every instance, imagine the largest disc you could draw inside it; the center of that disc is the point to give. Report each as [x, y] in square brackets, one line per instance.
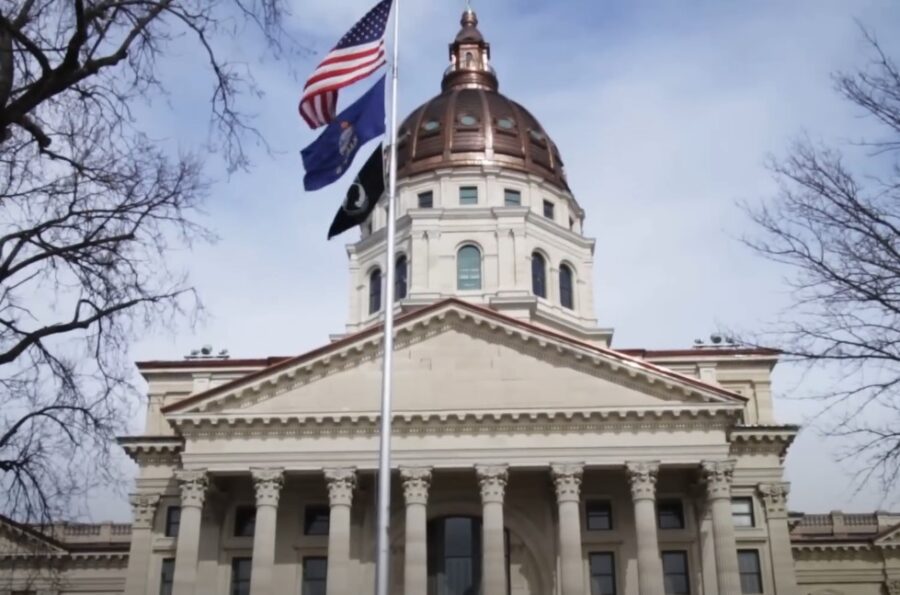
[470, 58]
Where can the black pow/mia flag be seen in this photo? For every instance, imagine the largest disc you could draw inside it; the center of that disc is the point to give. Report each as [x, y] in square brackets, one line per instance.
[362, 196]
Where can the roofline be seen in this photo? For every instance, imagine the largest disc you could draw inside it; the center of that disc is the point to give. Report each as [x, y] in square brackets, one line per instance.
[211, 363]
[702, 352]
[376, 329]
[33, 532]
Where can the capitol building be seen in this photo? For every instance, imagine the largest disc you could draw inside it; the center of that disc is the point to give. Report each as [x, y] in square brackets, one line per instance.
[532, 457]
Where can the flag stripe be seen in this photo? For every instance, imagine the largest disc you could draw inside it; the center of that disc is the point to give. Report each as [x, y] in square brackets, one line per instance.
[347, 80]
[337, 55]
[338, 74]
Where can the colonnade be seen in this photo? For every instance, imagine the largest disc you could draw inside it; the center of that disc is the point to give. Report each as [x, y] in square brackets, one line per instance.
[416, 481]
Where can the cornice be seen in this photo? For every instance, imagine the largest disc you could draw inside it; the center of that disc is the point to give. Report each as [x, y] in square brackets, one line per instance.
[458, 422]
[453, 314]
[764, 440]
[152, 450]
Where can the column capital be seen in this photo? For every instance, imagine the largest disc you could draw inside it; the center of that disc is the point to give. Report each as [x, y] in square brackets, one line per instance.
[341, 483]
[642, 479]
[492, 481]
[718, 476]
[193, 484]
[416, 481]
[267, 483]
[143, 507]
[567, 481]
[774, 496]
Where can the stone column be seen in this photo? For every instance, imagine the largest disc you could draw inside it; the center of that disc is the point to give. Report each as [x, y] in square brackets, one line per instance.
[492, 480]
[267, 484]
[341, 483]
[642, 479]
[718, 476]
[193, 484]
[707, 546]
[143, 507]
[416, 482]
[567, 480]
[774, 497]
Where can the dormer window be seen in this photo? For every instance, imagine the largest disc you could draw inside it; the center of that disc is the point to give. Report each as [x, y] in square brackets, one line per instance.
[468, 120]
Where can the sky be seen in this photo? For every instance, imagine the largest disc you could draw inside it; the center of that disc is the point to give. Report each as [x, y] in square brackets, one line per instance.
[665, 113]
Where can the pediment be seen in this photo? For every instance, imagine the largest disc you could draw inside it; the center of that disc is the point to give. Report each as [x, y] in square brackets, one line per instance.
[458, 357]
[889, 537]
[16, 539]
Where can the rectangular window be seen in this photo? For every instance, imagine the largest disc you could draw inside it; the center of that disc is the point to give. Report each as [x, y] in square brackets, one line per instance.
[426, 200]
[315, 576]
[512, 198]
[670, 514]
[751, 573]
[742, 512]
[244, 521]
[548, 209]
[468, 195]
[240, 576]
[603, 573]
[599, 515]
[316, 520]
[675, 573]
[167, 576]
[173, 521]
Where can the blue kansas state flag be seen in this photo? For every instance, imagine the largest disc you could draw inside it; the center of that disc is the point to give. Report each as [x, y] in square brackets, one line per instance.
[330, 155]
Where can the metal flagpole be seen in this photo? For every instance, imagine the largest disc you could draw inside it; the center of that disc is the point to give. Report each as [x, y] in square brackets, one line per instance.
[382, 560]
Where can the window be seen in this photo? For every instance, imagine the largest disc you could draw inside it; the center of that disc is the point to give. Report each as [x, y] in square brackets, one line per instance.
[468, 268]
[675, 573]
[538, 275]
[742, 512]
[244, 521]
[603, 574]
[173, 521]
[468, 195]
[512, 198]
[400, 283]
[571, 224]
[566, 290]
[375, 291]
[599, 516]
[751, 573]
[240, 576]
[315, 576]
[315, 520]
[166, 576]
[548, 209]
[426, 200]
[670, 514]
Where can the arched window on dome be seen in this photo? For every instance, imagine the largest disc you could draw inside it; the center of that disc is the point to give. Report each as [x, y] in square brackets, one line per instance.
[468, 268]
[566, 287]
[538, 275]
[375, 291]
[401, 278]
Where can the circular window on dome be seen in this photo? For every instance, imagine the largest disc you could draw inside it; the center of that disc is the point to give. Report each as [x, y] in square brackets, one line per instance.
[431, 126]
[537, 135]
[506, 123]
[468, 120]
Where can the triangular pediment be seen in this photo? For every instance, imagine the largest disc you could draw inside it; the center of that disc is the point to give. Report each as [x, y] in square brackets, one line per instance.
[889, 537]
[458, 357]
[18, 539]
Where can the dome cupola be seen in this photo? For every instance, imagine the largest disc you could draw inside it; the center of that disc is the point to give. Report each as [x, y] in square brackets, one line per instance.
[471, 123]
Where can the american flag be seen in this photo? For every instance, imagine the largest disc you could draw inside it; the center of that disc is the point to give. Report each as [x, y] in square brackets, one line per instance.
[358, 54]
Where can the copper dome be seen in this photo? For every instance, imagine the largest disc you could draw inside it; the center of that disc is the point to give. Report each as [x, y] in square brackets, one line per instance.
[471, 123]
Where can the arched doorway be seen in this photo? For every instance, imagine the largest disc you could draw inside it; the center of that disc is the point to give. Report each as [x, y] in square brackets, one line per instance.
[454, 555]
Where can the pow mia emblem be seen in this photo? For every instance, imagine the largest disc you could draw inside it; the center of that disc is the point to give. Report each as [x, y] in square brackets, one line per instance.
[357, 200]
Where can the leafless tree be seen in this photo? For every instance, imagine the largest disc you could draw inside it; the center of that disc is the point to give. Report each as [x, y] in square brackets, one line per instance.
[92, 209]
[836, 223]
